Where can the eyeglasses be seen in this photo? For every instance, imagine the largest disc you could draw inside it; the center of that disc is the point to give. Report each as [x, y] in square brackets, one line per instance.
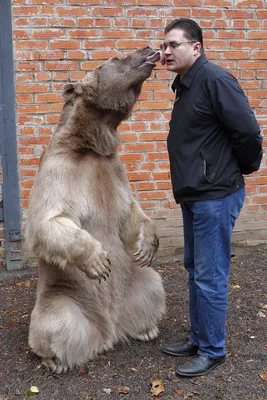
[173, 44]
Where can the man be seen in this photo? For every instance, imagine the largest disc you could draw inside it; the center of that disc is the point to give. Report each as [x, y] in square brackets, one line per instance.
[214, 139]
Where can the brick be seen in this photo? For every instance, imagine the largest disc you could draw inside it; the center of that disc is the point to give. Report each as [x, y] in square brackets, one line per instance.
[32, 87]
[131, 157]
[48, 55]
[31, 44]
[29, 119]
[152, 195]
[104, 54]
[28, 173]
[26, 130]
[84, 2]
[72, 11]
[97, 44]
[24, 98]
[29, 161]
[25, 11]
[65, 44]
[138, 176]
[146, 186]
[48, 98]
[48, 33]
[43, 76]
[84, 33]
[25, 152]
[153, 136]
[143, 147]
[27, 184]
[250, 4]
[131, 44]
[61, 65]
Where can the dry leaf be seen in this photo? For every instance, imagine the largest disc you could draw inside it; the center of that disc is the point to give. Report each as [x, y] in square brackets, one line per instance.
[261, 314]
[235, 287]
[27, 284]
[180, 391]
[124, 389]
[157, 388]
[219, 378]
[134, 369]
[34, 389]
[160, 270]
[263, 375]
[108, 391]
[250, 361]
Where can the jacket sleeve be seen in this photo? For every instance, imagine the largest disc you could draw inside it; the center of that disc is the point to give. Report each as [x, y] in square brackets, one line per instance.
[235, 114]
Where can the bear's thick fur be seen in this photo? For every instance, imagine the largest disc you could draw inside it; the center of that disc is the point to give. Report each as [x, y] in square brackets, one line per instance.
[90, 235]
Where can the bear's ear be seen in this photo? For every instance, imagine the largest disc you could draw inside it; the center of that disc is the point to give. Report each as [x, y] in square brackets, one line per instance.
[68, 90]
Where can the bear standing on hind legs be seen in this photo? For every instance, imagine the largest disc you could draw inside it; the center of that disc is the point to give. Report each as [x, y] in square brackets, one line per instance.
[90, 235]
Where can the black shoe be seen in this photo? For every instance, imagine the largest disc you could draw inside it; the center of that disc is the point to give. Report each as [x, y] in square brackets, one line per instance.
[199, 366]
[180, 349]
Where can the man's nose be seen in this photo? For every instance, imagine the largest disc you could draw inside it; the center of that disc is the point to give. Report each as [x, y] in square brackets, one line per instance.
[167, 50]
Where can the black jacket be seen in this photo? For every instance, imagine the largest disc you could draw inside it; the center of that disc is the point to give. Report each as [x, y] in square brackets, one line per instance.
[214, 137]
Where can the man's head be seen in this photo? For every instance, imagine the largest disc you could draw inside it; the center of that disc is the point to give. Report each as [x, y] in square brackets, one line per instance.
[183, 44]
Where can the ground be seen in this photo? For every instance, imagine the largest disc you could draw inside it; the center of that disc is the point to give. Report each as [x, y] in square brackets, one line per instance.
[135, 365]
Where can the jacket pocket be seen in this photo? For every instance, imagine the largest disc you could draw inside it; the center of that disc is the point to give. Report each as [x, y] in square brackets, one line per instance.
[208, 169]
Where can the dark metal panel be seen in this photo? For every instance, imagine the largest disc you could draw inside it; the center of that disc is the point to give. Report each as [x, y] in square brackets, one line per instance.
[8, 149]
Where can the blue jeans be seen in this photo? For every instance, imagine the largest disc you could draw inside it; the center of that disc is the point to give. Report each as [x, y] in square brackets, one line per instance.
[208, 227]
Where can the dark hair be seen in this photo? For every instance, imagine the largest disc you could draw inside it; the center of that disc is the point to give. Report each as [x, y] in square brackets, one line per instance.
[191, 29]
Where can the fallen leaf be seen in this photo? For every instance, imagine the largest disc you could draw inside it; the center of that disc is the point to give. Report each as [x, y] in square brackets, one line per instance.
[250, 361]
[108, 391]
[83, 371]
[124, 389]
[11, 323]
[261, 314]
[157, 388]
[27, 284]
[235, 287]
[219, 378]
[134, 369]
[263, 375]
[33, 391]
[180, 391]
[160, 270]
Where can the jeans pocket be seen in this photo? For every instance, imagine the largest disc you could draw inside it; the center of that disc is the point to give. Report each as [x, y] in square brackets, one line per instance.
[237, 202]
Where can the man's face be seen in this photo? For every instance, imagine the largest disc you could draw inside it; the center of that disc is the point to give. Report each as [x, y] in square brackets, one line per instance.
[182, 57]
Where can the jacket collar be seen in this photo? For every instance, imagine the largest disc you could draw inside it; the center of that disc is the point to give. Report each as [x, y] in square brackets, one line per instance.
[191, 73]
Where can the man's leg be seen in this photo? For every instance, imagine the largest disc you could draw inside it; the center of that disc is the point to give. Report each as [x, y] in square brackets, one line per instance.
[188, 217]
[191, 346]
[213, 224]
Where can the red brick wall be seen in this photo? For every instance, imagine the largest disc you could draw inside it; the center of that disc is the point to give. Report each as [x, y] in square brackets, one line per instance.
[60, 40]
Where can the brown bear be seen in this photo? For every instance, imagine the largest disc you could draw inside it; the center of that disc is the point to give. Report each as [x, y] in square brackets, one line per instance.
[92, 239]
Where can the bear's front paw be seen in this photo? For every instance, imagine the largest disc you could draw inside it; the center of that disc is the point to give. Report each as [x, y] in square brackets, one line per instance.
[147, 246]
[98, 264]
